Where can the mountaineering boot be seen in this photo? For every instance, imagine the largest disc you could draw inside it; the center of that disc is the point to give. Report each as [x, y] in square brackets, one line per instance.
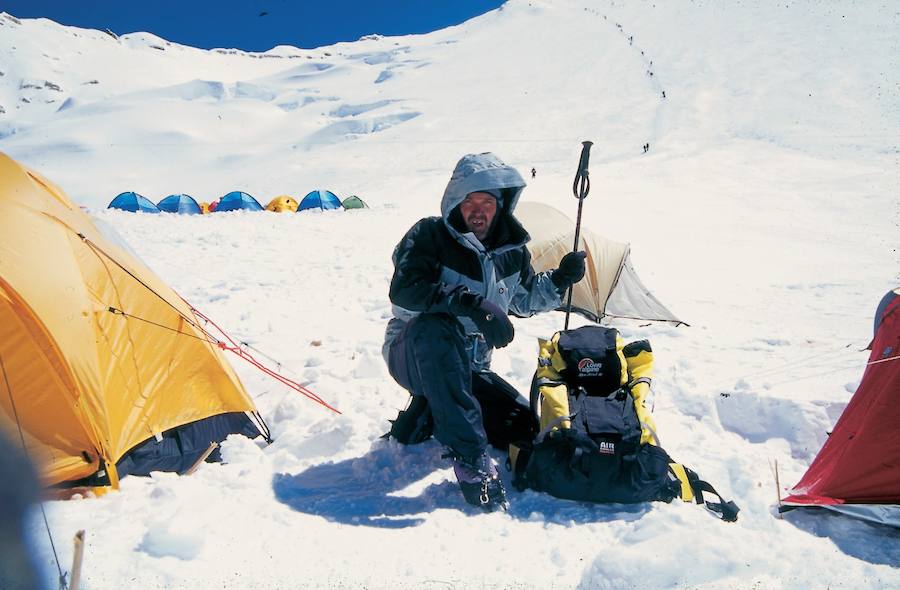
[479, 482]
[414, 424]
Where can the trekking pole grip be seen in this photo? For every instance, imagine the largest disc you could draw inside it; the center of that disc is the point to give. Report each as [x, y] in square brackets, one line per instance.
[580, 187]
[582, 184]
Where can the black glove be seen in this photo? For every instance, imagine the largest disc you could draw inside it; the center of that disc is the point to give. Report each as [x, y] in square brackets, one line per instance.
[570, 271]
[492, 321]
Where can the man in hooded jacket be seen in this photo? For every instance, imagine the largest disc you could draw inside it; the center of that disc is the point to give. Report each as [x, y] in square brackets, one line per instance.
[455, 279]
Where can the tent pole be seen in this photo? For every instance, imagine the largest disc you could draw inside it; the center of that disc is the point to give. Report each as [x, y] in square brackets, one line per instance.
[580, 187]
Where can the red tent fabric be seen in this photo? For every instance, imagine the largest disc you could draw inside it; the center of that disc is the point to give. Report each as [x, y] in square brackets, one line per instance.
[860, 461]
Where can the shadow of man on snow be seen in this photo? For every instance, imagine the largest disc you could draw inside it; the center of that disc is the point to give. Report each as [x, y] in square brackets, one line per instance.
[378, 490]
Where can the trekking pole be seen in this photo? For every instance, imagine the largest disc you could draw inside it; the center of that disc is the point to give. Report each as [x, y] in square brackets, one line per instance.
[580, 187]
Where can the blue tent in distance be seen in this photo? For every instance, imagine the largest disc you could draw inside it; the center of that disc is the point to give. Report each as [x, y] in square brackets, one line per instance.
[319, 200]
[180, 203]
[131, 201]
[237, 200]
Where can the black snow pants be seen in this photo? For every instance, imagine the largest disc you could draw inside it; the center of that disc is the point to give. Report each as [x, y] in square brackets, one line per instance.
[429, 358]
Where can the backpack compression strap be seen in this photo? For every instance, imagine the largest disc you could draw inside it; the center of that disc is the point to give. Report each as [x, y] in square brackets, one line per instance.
[692, 488]
[517, 462]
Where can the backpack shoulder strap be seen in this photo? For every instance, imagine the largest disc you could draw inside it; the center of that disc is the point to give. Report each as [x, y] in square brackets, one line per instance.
[692, 488]
[549, 390]
[639, 360]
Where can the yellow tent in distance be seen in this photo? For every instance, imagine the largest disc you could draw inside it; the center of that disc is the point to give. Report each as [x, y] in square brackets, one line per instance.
[282, 204]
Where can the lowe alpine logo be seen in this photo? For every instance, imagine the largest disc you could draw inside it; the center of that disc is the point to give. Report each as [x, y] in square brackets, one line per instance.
[587, 367]
[606, 448]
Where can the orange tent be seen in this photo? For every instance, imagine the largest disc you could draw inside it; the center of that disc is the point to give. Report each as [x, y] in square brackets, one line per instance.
[282, 204]
[101, 365]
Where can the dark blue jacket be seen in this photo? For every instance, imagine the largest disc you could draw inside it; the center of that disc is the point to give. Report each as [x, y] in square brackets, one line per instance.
[438, 255]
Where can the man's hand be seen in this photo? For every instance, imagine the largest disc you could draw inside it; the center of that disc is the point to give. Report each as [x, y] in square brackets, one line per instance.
[570, 271]
[491, 320]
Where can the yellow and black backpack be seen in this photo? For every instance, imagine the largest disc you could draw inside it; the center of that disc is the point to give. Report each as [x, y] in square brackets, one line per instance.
[597, 439]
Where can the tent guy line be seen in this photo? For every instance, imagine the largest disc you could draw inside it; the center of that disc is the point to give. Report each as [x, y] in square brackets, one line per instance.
[820, 359]
[890, 358]
[817, 374]
[243, 354]
[117, 311]
[232, 347]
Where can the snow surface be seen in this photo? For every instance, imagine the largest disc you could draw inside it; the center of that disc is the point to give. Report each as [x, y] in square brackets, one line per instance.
[765, 214]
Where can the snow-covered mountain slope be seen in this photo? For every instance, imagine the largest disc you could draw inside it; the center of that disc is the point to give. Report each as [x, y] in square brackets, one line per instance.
[765, 214]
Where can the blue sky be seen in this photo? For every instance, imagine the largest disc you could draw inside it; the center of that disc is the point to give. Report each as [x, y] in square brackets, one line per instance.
[255, 25]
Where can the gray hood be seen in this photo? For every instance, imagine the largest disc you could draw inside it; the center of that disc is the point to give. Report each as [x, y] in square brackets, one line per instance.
[427, 266]
[476, 172]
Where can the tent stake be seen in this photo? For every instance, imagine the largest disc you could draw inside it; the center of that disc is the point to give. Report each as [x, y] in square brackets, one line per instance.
[77, 558]
[777, 488]
[202, 458]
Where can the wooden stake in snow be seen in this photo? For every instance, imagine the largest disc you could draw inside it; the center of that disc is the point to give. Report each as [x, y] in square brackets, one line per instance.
[77, 557]
[202, 458]
[777, 487]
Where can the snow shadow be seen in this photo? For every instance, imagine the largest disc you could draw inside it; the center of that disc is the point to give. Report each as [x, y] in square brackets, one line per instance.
[384, 76]
[352, 110]
[760, 418]
[359, 491]
[870, 542]
[303, 72]
[382, 489]
[353, 128]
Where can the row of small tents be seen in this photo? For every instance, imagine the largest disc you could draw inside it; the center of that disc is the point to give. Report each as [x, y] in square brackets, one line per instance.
[234, 201]
[109, 394]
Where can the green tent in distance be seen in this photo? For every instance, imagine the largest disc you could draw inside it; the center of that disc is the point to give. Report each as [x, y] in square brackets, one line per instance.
[354, 202]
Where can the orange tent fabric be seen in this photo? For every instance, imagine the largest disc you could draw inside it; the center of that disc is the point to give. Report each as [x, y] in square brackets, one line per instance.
[282, 204]
[85, 383]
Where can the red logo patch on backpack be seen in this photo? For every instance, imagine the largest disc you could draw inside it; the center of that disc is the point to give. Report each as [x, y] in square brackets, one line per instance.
[588, 368]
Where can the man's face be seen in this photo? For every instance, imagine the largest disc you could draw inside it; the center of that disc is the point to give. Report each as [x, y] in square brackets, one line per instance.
[478, 211]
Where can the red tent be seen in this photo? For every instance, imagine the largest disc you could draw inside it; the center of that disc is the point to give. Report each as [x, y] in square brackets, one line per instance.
[858, 469]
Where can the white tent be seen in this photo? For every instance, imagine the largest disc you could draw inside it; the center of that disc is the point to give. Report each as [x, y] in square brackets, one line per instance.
[610, 287]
